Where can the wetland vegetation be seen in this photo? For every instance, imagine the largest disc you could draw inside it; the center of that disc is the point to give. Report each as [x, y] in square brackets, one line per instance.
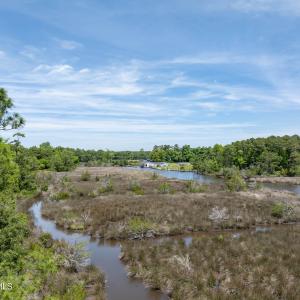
[123, 203]
[245, 265]
[233, 253]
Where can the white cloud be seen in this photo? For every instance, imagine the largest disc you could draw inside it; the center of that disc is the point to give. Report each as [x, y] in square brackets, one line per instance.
[68, 45]
[54, 70]
[282, 7]
[31, 52]
[209, 105]
[129, 126]
[291, 7]
[142, 97]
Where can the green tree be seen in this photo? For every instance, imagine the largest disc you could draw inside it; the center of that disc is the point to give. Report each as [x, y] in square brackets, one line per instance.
[8, 120]
[9, 170]
[294, 163]
[63, 160]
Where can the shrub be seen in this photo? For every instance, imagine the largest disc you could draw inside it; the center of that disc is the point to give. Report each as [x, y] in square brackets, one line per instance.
[44, 187]
[233, 180]
[106, 187]
[136, 188]
[194, 187]
[139, 225]
[46, 240]
[61, 195]
[75, 292]
[75, 257]
[85, 176]
[93, 194]
[278, 210]
[165, 188]
[43, 180]
[66, 179]
[218, 214]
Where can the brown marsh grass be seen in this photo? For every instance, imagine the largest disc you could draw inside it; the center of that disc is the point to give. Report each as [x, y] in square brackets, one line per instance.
[221, 266]
[107, 205]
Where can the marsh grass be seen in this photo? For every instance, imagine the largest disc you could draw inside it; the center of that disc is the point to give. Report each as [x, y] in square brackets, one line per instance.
[165, 188]
[218, 266]
[195, 187]
[136, 188]
[62, 195]
[106, 186]
[138, 225]
[85, 176]
[154, 176]
[171, 206]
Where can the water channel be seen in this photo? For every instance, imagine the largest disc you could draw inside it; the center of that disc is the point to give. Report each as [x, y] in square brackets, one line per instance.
[105, 254]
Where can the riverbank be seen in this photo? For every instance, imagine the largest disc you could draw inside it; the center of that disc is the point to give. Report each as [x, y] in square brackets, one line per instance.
[61, 270]
[104, 256]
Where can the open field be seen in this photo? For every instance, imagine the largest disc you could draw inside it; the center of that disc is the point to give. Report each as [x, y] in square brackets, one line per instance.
[245, 265]
[118, 203]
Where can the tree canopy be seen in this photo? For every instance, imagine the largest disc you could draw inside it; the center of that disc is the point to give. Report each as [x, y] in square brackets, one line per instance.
[8, 120]
[273, 155]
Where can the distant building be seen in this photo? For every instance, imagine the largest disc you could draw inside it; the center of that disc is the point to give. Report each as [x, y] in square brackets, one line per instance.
[151, 164]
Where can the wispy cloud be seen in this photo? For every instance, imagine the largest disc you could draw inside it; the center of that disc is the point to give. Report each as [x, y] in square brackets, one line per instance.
[291, 7]
[162, 97]
[68, 45]
[282, 7]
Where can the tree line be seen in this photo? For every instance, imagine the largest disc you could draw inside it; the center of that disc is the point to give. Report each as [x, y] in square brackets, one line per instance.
[273, 155]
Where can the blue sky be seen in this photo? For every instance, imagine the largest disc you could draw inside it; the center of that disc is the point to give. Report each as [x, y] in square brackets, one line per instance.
[131, 74]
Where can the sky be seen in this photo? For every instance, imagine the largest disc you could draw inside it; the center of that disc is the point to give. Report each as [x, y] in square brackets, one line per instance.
[131, 74]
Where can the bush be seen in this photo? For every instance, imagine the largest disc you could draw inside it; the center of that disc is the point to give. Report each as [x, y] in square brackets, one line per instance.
[93, 194]
[106, 187]
[61, 196]
[85, 176]
[233, 180]
[136, 188]
[138, 225]
[43, 180]
[165, 188]
[75, 292]
[278, 210]
[194, 187]
[44, 187]
[66, 179]
[46, 240]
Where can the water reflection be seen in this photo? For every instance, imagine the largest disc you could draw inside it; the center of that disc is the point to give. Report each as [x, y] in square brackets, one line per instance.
[103, 255]
[190, 175]
[183, 175]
